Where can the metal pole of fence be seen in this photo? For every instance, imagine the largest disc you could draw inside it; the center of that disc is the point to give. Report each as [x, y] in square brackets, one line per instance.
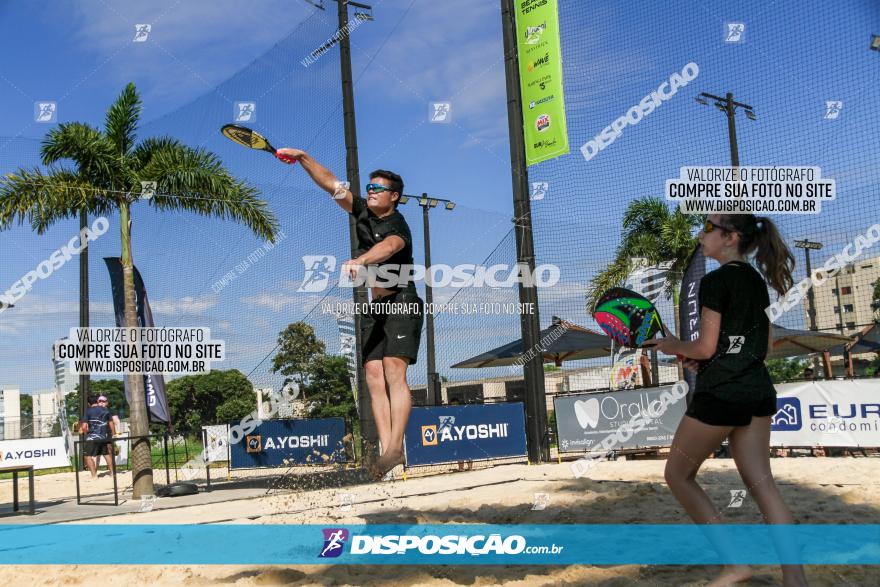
[207, 462]
[174, 457]
[167, 472]
[352, 169]
[111, 453]
[533, 370]
[77, 457]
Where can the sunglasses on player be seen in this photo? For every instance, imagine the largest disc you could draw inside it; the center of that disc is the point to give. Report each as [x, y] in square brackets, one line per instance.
[377, 188]
[709, 226]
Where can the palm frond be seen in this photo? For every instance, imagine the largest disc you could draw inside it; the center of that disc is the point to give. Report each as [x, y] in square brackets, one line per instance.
[86, 146]
[122, 119]
[196, 181]
[41, 199]
[612, 276]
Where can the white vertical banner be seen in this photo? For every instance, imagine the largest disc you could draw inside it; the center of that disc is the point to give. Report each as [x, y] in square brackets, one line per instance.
[216, 443]
[347, 342]
[625, 368]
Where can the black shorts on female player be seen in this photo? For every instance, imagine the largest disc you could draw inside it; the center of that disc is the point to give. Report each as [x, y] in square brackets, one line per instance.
[390, 338]
[734, 397]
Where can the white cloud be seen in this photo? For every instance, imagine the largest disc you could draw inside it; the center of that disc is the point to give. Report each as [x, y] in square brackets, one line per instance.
[183, 306]
[200, 44]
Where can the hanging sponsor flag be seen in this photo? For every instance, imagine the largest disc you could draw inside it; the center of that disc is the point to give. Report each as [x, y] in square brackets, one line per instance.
[540, 76]
[625, 368]
[689, 304]
[154, 383]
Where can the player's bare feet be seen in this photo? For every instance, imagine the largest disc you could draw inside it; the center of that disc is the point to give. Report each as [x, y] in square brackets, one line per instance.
[389, 459]
[731, 575]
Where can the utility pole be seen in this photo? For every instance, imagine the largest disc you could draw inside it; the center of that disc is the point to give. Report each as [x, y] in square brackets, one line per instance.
[368, 426]
[729, 106]
[433, 389]
[533, 370]
[808, 246]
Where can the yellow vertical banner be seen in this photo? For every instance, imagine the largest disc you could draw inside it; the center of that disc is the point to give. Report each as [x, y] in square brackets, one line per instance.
[540, 74]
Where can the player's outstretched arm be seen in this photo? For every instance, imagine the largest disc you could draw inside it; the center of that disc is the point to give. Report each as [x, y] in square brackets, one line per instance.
[322, 176]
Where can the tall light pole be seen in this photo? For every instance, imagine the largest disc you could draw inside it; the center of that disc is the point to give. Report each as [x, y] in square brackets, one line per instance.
[729, 106]
[530, 323]
[433, 388]
[808, 245]
[369, 434]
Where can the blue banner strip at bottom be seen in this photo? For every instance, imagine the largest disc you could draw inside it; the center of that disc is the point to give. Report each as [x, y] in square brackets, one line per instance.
[528, 544]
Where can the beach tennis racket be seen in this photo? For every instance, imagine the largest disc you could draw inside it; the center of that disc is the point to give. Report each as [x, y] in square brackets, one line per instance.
[629, 318]
[250, 138]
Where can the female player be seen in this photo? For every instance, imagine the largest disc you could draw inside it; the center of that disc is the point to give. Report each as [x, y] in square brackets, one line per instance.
[734, 396]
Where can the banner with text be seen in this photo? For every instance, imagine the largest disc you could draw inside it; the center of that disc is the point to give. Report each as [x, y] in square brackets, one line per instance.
[446, 434]
[279, 443]
[42, 453]
[540, 76]
[584, 420]
[827, 413]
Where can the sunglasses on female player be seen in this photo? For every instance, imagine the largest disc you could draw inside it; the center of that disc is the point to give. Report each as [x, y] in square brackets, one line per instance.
[377, 188]
[709, 226]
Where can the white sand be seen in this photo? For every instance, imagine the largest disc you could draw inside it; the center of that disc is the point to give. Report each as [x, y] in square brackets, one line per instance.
[819, 490]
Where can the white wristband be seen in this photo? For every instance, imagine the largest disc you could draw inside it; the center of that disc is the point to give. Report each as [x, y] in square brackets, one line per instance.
[339, 189]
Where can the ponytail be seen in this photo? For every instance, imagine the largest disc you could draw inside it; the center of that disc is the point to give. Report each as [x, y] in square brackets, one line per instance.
[759, 235]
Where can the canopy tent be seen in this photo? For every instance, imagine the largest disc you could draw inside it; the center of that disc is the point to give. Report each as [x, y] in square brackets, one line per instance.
[565, 341]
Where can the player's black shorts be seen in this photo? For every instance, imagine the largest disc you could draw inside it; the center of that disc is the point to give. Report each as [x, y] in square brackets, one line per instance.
[714, 411]
[393, 327]
[95, 448]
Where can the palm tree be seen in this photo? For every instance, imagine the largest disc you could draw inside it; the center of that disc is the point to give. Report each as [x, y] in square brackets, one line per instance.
[109, 167]
[655, 233]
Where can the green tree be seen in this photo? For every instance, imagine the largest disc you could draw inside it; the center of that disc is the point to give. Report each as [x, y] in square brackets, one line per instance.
[109, 166]
[652, 231]
[112, 389]
[209, 398]
[329, 389]
[782, 370]
[26, 406]
[299, 348]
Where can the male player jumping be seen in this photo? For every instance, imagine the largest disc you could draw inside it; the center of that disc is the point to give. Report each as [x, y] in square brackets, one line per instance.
[391, 331]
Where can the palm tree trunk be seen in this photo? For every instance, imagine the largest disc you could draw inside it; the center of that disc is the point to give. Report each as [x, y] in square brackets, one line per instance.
[140, 422]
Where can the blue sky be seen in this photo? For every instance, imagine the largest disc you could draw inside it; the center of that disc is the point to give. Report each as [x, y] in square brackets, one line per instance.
[203, 56]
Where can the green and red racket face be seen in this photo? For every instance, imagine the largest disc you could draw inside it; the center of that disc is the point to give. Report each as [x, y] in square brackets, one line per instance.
[627, 317]
[251, 139]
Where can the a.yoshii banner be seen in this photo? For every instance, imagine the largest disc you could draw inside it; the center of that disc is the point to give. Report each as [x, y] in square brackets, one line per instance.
[540, 76]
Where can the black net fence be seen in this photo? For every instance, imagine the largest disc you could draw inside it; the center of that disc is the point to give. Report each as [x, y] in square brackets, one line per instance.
[813, 101]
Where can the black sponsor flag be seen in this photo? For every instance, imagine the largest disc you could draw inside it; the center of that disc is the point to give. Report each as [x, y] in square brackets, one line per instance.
[154, 383]
[689, 306]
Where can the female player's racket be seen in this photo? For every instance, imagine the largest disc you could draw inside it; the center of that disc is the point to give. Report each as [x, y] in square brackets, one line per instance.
[250, 138]
[627, 317]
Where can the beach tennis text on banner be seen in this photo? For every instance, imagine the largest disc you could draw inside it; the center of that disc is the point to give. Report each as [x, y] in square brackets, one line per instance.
[465, 433]
[540, 77]
[279, 443]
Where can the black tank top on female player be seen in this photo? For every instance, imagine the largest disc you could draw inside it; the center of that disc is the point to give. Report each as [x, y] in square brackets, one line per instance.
[736, 371]
[371, 230]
